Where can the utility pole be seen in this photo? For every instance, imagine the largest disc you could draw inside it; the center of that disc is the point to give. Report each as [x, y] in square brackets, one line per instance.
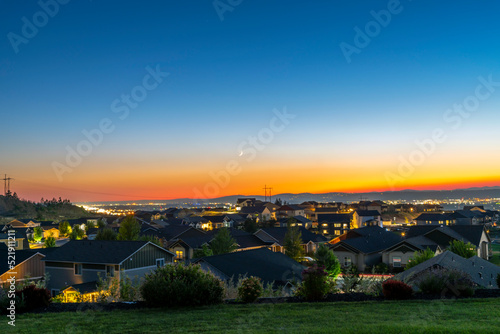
[6, 185]
[265, 193]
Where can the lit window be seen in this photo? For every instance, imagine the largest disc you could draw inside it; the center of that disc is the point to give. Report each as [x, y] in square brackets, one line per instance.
[396, 261]
[179, 255]
[337, 225]
[347, 261]
[160, 262]
[324, 224]
[337, 232]
[78, 268]
[325, 231]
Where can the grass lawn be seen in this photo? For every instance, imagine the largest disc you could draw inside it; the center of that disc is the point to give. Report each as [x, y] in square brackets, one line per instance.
[452, 316]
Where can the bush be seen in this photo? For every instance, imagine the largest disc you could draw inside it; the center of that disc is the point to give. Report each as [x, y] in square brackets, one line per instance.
[396, 290]
[350, 279]
[179, 285]
[419, 257]
[34, 297]
[442, 281]
[250, 289]
[381, 268]
[315, 283]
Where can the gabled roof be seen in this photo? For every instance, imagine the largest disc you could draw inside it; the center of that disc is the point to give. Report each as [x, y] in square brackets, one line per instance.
[278, 233]
[467, 233]
[482, 272]
[253, 209]
[97, 251]
[432, 217]
[367, 213]
[290, 207]
[370, 239]
[467, 214]
[84, 287]
[215, 219]
[21, 256]
[334, 218]
[268, 265]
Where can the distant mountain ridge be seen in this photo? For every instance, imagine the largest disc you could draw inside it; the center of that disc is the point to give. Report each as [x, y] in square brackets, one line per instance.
[405, 195]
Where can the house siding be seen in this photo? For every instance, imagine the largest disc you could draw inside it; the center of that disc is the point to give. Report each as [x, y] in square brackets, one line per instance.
[146, 257]
[33, 268]
[137, 273]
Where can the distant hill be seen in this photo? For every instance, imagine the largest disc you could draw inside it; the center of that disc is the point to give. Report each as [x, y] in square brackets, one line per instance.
[405, 195]
[12, 206]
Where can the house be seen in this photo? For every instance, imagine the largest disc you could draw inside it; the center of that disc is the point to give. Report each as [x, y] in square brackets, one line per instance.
[20, 239]
[49, 229]
[433, 219]
[287, 211]
[261, 213]
[18, 223]
[334, 223]
[299, 221]
[275, 237]
[28, 265]
[482, 272]
[363, 247]
[398, 256]
[82, 261]
[443, 235]
[216, 222]
[468, 217]
[243, 202]
[272, 268]
[363, 218]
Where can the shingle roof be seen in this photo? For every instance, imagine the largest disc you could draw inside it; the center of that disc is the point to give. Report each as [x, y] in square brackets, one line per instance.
[334, 218]
[473, 266]
[365, 213]
[466, 233]
[96, 251]
[371, 239]
[262, 262]
[253, 209]
[432, 216]
[279, 234]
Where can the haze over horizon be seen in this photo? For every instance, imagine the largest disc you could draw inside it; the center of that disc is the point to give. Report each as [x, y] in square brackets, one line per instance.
[163, 100]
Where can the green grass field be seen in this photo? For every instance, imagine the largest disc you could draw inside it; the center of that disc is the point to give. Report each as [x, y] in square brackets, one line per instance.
[496, 254]
[452, 316]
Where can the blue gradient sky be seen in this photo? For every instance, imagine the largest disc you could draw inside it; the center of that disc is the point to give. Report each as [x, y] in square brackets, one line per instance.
[353, 120]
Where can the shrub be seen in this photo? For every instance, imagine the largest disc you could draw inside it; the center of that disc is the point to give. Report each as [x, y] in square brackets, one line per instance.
[442, 281]
[315, 283]
[381, 268]
[350, 279]
[325, 257]
[34, 297]
[179, 285]
[250, 289]
[466, 250]
[419, 257]
[393, 289]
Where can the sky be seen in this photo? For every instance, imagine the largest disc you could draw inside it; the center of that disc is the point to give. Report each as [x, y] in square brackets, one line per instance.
[124, 100]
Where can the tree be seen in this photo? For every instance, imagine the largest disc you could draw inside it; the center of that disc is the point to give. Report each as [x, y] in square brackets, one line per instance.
[154, 239]
[419, 257]
[278, 202]
[466, 250]
[89, 225]
[77, 233]
[223, 242]
[49, 242]
[129, 229]
[325, 257]
[101, 223]
[106, 234]
[250, 225]
[64, 228]
[37, 233]
[293, 242]
[204, 251]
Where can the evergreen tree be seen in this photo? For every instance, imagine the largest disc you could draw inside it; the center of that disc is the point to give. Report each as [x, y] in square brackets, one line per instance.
[204, 251]
[106, 234]
[129, 229]
[37, 233]
[223, 242]
[293, 242]
[49, 242]
[325, 257]
[250, 225]
[64, 228]
[77, 233]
